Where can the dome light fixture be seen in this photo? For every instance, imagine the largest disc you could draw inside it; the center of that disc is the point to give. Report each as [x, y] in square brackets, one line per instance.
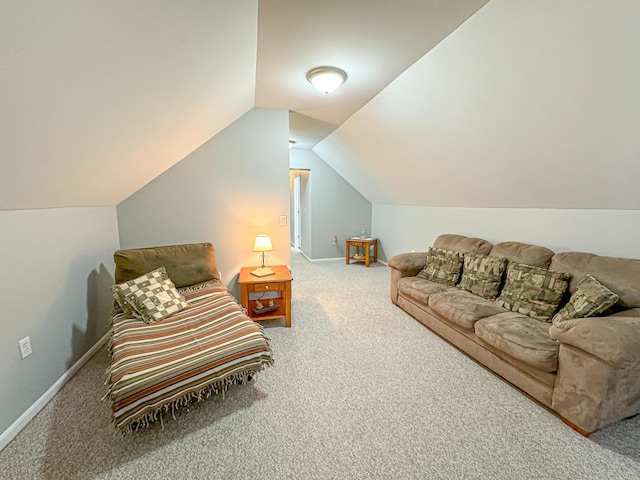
[326, 79]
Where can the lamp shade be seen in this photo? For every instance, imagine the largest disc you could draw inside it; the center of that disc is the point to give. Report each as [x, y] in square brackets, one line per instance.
[262, 243]
[326, 79]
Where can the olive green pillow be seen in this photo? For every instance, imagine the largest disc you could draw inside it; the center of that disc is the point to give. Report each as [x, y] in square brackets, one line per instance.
[442, 266]
[482, 274]
[590, 299]
[533, 291]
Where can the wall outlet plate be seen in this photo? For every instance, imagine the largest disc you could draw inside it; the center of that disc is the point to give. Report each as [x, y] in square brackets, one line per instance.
[283, 219]
[25, 347]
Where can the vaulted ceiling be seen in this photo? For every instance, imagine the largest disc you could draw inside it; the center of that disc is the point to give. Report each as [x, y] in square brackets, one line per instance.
[99, 98]
[526, 105]
[448, 102]
[373, 41]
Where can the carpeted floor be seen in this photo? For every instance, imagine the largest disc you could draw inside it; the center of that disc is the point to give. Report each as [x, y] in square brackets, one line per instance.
[359, 390]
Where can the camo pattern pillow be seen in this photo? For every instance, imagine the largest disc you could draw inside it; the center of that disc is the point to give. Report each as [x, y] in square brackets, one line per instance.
[533, 291]
[442, 266]
[482, 274]
[121, 290]
[590, 299]
[156, 301]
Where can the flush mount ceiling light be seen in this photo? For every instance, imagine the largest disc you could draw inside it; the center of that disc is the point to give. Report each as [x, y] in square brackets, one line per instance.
[326, 79]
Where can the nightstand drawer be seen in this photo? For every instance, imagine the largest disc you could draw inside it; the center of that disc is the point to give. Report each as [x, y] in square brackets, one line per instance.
[265, 287]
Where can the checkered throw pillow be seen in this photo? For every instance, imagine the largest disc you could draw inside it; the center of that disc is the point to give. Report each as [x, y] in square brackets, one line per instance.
[156, 301]
[122, 290]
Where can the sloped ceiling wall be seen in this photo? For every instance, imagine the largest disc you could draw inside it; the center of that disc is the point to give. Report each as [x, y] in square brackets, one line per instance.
[98, 98]
[527, 104]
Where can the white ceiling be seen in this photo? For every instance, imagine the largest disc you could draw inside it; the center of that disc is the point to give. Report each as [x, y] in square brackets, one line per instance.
[373, 41]
[99, 98]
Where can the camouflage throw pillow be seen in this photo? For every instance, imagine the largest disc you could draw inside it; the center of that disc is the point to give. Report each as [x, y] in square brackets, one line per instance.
[533, 291]
[156, 301]
[590, 299]
[121, 290]
[482, 274]
[442, 266]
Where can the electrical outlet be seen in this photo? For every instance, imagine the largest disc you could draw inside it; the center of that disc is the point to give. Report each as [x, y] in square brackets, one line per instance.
[283, 219]
[25, 347]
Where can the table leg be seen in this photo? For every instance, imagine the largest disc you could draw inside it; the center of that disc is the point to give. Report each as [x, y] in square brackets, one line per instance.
[348, 250]
[375, 251]
[366, 255]
[244, 298]
[287, 304]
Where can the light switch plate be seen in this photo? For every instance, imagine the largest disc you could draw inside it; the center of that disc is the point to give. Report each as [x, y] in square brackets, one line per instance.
[283, 219]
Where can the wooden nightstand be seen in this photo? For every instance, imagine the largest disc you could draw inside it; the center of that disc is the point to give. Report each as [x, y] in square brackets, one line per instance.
[367, 243]
[251, 286]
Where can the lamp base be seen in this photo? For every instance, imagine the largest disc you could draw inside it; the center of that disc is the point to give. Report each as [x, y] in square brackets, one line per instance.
[262, 272]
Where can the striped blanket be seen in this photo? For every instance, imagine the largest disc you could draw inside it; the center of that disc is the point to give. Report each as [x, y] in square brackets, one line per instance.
[162, 366]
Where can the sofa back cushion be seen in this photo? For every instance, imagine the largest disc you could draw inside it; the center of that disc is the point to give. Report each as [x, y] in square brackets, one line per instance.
[620, 275]
[185, 264]
[523, 253]
[460, 243]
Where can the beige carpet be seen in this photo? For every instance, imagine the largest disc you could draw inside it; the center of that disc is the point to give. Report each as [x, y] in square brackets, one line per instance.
[359, 390]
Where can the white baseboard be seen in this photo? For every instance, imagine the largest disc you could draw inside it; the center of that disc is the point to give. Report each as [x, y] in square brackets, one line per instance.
[319, 259]
[326, 259]
[334, 258]
[22, 421]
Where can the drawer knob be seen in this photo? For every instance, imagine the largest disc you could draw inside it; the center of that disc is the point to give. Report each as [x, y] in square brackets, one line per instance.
[266, 287]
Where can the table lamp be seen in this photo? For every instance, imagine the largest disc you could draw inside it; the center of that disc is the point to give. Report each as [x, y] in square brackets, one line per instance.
[262, 244]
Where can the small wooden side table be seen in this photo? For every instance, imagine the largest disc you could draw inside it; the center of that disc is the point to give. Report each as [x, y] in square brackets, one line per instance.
[367, 243]
[279, 282]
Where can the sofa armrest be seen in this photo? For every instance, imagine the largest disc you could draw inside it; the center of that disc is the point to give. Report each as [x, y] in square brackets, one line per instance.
[405, 265]
[409, 263]
[614, 339]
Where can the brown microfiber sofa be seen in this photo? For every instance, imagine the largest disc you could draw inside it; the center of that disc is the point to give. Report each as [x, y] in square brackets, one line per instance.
[585, 370]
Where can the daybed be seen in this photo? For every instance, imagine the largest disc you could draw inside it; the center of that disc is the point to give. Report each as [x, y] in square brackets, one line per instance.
[574, 350]
[205, 344]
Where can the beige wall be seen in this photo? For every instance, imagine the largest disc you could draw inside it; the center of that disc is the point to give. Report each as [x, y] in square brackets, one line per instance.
[604, 232]
[233, 187]
[57, 267]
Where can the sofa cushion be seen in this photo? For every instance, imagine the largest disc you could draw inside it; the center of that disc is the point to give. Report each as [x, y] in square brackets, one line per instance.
[460, 243]
[590, 299]
[533, 291]
[418, 289]
[482, 275]
[442, 266]
[521, 337]
[523, 253]
[620, 275]
[463, 308]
